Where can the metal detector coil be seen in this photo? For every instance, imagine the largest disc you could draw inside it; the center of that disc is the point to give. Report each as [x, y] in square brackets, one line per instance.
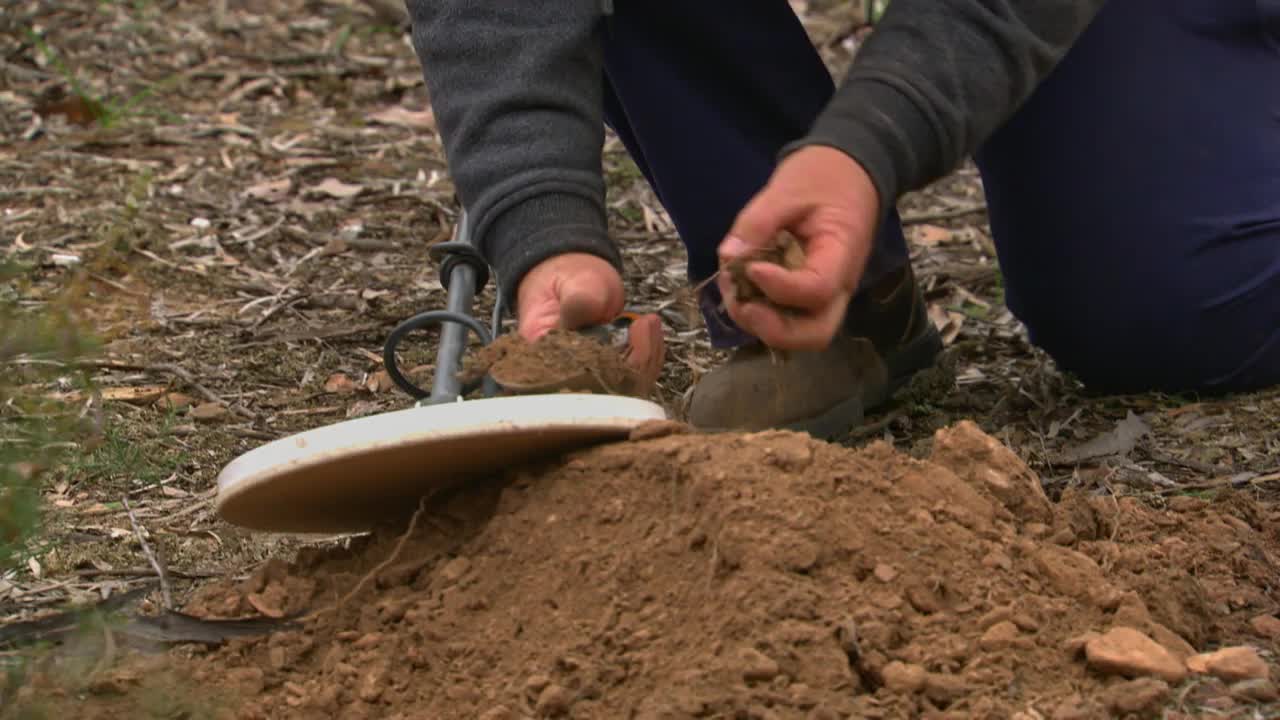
[356, 474]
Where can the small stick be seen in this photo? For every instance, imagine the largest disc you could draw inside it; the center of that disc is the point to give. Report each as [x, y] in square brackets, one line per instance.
[946, 214]
[151, 557]
[395, 554]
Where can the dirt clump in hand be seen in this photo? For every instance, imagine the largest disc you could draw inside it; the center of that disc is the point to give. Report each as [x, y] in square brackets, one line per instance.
[786, 251]
[560, 361]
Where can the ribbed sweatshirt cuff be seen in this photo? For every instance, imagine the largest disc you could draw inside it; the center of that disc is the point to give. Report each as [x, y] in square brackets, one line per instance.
[542, 227]
[884, 131]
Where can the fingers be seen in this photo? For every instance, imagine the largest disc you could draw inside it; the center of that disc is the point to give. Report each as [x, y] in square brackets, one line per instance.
[588, 299]
[568, 291]
[791, 331]
[759, 223]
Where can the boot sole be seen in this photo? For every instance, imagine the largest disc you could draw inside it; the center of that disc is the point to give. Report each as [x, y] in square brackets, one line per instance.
[919, 354]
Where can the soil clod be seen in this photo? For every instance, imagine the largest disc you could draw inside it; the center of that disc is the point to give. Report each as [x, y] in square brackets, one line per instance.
[786, 251]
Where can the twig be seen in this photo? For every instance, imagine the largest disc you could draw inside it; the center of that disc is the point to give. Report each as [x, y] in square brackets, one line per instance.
[165, 591]
[177, 372]
[395, 553]
[947, 214]
[141, 573]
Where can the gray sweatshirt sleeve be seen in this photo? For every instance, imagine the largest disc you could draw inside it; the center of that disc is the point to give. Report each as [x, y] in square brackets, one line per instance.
[936, 78]
[517, 92]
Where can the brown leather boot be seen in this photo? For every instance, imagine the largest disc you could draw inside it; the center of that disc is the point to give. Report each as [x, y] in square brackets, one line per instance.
[887, 338]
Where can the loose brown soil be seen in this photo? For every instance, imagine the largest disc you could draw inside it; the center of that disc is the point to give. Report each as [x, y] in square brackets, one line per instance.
[560, 361]
[755, 576]
[786, 251]
[254, 214]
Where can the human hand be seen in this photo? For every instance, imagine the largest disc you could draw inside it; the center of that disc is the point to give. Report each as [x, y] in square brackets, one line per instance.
[824, 198]
[568, 291]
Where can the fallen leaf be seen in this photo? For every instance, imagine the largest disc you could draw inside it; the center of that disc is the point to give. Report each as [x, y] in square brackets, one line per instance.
[34, 566]
[1118, 441]
[340, 384]
[136, 395]
[405, 118]
[335, 188]
[379, 381]
[271, 190]
[931, 235]
[208, 412]
[174, 401]
[947, 322]
[335, 246]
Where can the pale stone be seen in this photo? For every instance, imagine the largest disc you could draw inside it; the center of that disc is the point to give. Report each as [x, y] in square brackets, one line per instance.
[903, 677]
[1125, 651]
[1230, 664]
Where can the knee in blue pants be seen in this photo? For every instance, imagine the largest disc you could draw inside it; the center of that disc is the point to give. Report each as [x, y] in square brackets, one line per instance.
[1135, 199]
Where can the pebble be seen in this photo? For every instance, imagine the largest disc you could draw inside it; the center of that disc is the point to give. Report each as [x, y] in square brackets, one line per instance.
[885, 573]
[454, 569]
[250, 679]
[501, 712]
[1257, 690]
[536, 684]
[944, 688]
[1125, 651]
[1267, 626]
[554, 700]
[905, 678]
[756, 666]
[1001, 635]
[1137, 697]
[1230, 664]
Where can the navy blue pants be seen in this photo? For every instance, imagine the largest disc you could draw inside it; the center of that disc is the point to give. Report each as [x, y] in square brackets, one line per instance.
[1134, 199]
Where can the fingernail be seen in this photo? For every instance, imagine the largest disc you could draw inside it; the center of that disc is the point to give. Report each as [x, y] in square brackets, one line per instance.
[733, 246]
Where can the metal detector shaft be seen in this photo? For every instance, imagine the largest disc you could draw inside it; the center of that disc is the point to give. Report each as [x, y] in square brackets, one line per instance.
[453, 336]
[463, 273]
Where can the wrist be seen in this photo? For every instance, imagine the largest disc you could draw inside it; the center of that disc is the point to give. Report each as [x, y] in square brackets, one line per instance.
[542, 228]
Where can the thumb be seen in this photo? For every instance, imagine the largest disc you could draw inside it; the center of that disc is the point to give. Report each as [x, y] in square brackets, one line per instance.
[589, 298]
[756, 226]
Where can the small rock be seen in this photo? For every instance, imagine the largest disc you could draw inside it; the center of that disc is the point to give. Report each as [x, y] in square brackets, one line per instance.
[1036, 530]
[1230, 664]
[944, 688]
[1267, 626]
[924, 599]
[756, 666]
[997, 615]
[1026, 623]
[997, 559]
[1001, 635]
[903, 677]
[118, 683]
[536, 684]
[500, 712]
[554, 700]
[250, 679]
[1136, 696]
[453, 570]
[1172, 641]
[1125, 651]
[1256, 690]
[1132, 612]
[653, 429]
[885, 573]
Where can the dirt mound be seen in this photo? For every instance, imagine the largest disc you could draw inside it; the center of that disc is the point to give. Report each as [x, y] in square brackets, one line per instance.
[752, 576]
[558, 361]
